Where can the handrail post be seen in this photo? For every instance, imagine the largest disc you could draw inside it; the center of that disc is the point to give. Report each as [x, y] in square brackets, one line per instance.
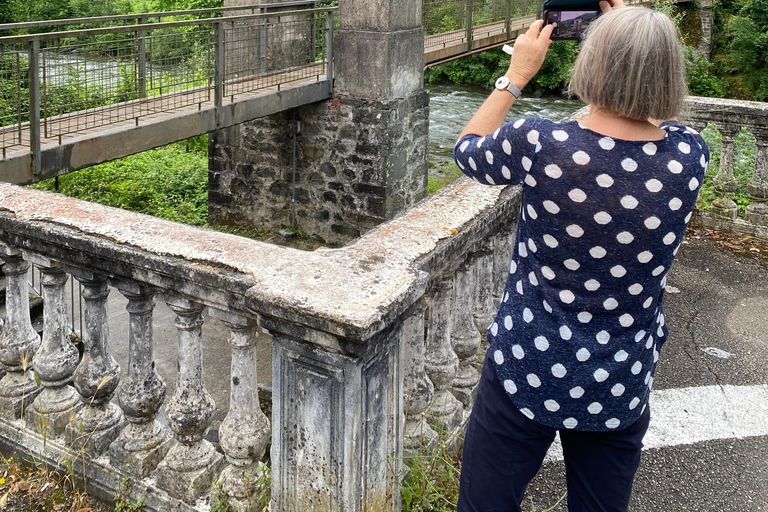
[34, 106]
[509, 20]
[142, 51]
[218, 75]
[469, 25]
[329, 65]
[262, 41]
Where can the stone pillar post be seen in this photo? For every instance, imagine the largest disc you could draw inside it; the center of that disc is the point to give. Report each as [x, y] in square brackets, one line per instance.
[245, 432]
[98, 423]
[724, 182]
[465, 338]
[441, 361]
[56, 359]
[419, 390]
[484, 309]
[193, 463]
[18, 340]
[707, 16]
[337, 419]
[757, 212]
[143, 442]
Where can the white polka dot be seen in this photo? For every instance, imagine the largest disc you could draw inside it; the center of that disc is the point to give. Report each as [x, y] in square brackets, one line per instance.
[489, 157]
[606, 143]
[496, 133]
[703, 161]
[560, 135]
[498, 357]
[592, 285]
[489, 179]
[652, 222]
[558, 370]
[629, 165]
[461, 165]
[584, 317]
[519, 287]
[693, 184]
[620, 356]
[547, 273]
[472, 164]
[529, 180]
[581, 158]
[506, 297]
[518, 123]
[617, 390]
[635, 289]
[526, 162]
[533, 137]
[626, 320]
[610, 303]
[464, 146]
[541, 343]
[600, 375]
[650, 149]
[660, 332]
[603, 218]
[639, 335]
[583, 354]
[577, 195]
[547, 306]
[551, 405]
[518, 352]
[629, 202]
[669, 238]
[637, 367]
[653, 185]
[648, 377]
[618, 271]
[522, 250]
[508, 322]
[551, 207]
[603, 337]
[688, 217]
[577, 392]
[648, 302]
[571, 264]
[494, 328]
[527, 413]
[553, 171]
[645, 257]
[649, 343]
[658, 270]
[574, 230]
[655, 358]
[675, 167]
[613, 423]
[684, 147]
[533, 380]
[531, 212]
[527, 315]
[675, 204]
[604, 180]
[594, 408]
[567, 296]
[550, 241]
[570, 422]
[510, 387]
[625, 237]
[597, 252]
[565, 332]
[480, 142]
[634, 403]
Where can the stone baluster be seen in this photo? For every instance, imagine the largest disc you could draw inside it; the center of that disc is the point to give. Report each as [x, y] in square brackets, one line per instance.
[245, 433]
[442, 364]
[18, 340]
[193, 463]
[724, 182]
[99, 422]
[419, 390]
[757, 212]
[465, 338]
[56, 359]
[144, 442]
[503, 247]
[484, 309]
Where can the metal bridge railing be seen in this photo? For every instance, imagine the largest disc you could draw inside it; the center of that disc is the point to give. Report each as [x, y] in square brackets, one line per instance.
[59, 83]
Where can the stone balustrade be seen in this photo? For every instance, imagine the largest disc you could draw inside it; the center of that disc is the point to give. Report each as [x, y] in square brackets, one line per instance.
[375, 348]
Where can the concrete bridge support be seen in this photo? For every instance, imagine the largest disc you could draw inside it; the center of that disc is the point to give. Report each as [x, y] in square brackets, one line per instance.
[360, 157]
[707, 17]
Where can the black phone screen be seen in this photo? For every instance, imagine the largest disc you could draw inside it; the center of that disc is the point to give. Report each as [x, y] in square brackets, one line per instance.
[569, 24]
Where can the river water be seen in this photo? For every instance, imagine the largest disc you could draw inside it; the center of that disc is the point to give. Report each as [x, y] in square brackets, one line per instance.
[451, 107]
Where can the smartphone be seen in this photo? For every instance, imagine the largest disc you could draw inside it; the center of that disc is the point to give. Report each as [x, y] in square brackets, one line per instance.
[570, 24]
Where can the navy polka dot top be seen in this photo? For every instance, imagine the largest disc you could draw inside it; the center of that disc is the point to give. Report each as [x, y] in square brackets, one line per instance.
[578, 332]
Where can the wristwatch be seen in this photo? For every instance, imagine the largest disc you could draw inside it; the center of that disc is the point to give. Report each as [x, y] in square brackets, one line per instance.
[503, 84]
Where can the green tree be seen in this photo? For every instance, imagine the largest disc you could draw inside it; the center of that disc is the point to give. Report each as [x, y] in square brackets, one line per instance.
[748, 48]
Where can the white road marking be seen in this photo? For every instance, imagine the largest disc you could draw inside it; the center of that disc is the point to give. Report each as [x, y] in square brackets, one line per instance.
[693, 415]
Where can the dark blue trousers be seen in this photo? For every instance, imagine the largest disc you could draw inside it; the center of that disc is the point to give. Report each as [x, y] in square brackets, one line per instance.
[503, 451]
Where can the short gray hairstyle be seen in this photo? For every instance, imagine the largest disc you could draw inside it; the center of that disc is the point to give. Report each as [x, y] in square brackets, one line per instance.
[631, 64]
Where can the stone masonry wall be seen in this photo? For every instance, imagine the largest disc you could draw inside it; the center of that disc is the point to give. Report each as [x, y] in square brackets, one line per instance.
[359, 163]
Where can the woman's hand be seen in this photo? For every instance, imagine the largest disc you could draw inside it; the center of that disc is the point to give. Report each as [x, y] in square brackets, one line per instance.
[609, 5]
[530, 50]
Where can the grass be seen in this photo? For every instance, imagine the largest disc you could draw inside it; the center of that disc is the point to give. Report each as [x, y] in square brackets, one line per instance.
[442, 175]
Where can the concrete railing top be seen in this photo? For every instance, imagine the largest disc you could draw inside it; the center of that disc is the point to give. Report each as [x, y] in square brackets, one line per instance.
[353, 292]
[726, 112]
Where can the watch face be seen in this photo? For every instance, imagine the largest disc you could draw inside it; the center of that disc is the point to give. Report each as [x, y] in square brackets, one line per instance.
[502, 82]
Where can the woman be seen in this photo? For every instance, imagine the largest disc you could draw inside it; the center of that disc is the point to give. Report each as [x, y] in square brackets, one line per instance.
[605, 204]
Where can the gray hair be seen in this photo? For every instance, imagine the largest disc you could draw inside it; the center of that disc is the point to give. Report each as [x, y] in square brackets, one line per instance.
[631, 64]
